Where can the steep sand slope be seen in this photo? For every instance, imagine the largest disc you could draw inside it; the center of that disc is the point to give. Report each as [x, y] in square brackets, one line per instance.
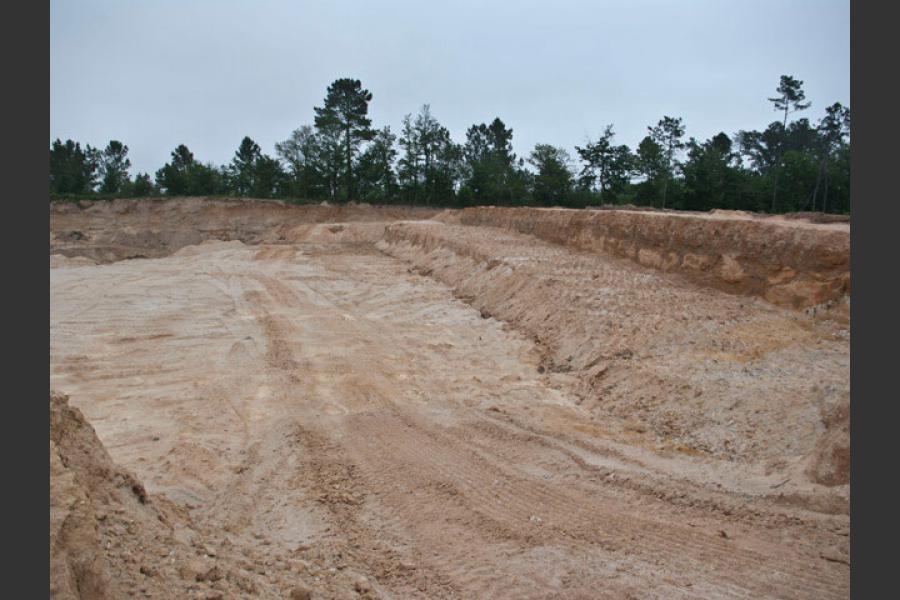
[790, 262]
[107, 231]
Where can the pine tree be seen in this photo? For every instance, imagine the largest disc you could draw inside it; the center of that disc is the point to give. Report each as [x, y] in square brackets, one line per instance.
[667, 134]
[114, 165]
[241, 169]
[344, 114]
[553, 181]
[790, 99]
[607, 166]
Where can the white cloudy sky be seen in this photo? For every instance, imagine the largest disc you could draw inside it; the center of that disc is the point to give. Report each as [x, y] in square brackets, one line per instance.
[205, 73]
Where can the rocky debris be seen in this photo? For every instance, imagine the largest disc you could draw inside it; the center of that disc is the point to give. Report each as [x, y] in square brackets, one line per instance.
[110, 539]
[214, 573]
[82, 480]
[829, 463]
[301, 592]
[148, 570]
[835, 554]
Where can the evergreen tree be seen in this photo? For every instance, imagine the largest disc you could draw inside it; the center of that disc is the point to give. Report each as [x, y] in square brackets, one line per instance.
[650, 164]
[141, 186]
[607, 167]
[709, 176]
[206, 180]
[790, 99]
[378, 182]
[268, 178]
[114, 165]
[173, 177]
[344, 114]
[242, 167]
[304, 153]
[762, 148]
[553, 181]
[834, 134]
[493, 173]
[185, 176]
[788, 166]
[73, 170]
[667, 134]
[429, 168]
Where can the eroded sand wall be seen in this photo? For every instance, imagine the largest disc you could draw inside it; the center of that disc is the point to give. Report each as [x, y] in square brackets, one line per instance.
[107, 231]
[696, 364]
[790, 263]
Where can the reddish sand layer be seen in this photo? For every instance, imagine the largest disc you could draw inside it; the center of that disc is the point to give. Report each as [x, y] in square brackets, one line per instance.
[790, 262]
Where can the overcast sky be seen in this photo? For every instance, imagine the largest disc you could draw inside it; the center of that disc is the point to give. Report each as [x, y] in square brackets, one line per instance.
[154, 74]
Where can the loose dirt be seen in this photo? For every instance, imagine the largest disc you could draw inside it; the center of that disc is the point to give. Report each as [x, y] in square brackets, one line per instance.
[361, 402]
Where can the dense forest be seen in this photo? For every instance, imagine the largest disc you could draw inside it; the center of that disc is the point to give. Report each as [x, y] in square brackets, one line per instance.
[792, 165]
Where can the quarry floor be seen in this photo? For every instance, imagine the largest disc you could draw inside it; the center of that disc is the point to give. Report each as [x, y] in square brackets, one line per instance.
[329, 403]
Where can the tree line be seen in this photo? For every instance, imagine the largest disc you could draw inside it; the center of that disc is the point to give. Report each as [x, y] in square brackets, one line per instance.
[792, 165]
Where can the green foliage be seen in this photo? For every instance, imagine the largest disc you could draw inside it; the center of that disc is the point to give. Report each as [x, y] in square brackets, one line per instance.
[790, 97]
[344, 116]
[73, 170]
[762, 147]
[836, 188]
[242, 170]
[650, 165]
[796, 180]
[786, 167]
[377, 180]
[667, 134]
[113, 167]
[184, 176]
[141, 186]
[305, 154]
[553, 181]
[607, 167]
[834, 159]
[710, 180]
[492, 173]
[431, 164]
[269, 179]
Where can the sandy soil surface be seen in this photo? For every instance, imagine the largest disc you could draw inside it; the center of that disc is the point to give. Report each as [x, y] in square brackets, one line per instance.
[330, 417]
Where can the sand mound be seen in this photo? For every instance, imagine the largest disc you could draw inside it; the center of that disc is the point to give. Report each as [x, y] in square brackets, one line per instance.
[91, 500]
[110, 539]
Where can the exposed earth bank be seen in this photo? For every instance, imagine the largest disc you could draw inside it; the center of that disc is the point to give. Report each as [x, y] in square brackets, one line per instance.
[356, 401]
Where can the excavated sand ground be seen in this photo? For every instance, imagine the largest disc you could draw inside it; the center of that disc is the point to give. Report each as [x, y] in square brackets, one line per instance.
[428, 410]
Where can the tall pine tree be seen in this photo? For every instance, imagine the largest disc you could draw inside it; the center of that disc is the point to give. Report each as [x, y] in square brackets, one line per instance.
[344, 115]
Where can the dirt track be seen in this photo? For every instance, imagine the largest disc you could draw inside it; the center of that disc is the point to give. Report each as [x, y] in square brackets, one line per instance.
[349, 403]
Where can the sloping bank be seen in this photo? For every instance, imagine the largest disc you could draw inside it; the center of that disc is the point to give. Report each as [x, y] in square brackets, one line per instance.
[791, 263]
[695, 369]
[111, 539]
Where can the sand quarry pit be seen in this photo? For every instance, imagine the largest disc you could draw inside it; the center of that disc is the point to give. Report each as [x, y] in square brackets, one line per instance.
[255, 400]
